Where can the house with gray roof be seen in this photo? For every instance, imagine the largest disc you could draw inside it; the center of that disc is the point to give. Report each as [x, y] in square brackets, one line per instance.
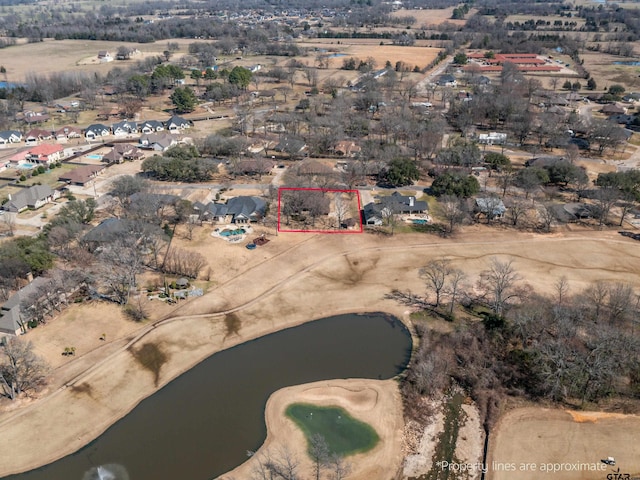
[12, 320]
[10, 136]
[113, 229]
[176, 124]
[447, 80]
[396, 203]
[157, 141]
[96, 130]
[33, 197]
[236, 210]
[124, 128]
[490, 207]
[291, 145]
[151, 126]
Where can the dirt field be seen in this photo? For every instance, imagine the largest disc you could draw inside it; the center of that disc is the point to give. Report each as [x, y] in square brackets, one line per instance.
[374, 402]
[364, 48]
[432, 17]
[566, 439]
[75, 56]
[264, 288]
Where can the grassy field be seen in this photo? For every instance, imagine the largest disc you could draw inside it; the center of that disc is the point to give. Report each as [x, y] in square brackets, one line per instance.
[344, 434]
[50, 177]
[605, 73]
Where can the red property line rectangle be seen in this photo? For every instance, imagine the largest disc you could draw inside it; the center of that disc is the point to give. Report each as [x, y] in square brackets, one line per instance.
[324, 190]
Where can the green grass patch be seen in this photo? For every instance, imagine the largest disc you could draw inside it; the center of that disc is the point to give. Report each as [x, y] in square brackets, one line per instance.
[50, 177]
[446, 446]
[343, 434]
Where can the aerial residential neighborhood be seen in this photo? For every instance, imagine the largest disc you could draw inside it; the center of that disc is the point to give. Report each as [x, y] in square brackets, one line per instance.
[342, 241]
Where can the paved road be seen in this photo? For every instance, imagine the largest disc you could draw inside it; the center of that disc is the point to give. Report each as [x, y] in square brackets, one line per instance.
[422, 86]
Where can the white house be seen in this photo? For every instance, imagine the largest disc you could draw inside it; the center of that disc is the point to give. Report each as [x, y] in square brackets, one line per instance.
[10, 136]
[176, 123]
[124, 128]
[104, 56]
[493, 138]
[151, 126]
[46, 153]
[95, 131]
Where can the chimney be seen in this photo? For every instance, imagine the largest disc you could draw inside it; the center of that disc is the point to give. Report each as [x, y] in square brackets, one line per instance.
[29, 277]
[411, 200]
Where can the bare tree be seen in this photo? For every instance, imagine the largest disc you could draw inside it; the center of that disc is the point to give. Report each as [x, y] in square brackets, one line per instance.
[191, 225]
[562, 289]
[517, 210]
[605, 198]
[547, 216]
[339, 469]
[390, 216]
[499, 282]
[183, 262]
[572, 152]
[284, 465]
[311, 74]
[596, 295]
[436, 272]
[9, 220]
[21, 370]
[121, 263]
[453, 289]
[452, 211]
[319, 453]
[621, 302]
[505, 180]
[341, 208]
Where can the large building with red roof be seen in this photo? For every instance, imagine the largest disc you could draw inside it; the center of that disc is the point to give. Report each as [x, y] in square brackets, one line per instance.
[46, 154]
[525, 62]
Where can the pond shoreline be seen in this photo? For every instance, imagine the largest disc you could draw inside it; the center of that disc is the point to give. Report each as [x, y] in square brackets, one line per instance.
[88, 396]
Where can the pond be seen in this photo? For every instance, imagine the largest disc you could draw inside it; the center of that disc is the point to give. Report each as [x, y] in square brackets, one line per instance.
[628, 63]
[201, 424]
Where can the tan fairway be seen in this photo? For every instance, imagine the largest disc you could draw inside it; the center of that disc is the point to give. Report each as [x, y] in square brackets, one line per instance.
[294, 279]
[545, 443]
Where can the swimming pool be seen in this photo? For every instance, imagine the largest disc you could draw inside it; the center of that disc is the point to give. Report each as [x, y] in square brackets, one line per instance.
[229, 233]
[26, 166]
[94, 156]
[420, 221]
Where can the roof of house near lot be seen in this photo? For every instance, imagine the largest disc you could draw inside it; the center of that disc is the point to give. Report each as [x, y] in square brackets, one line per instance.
[404, 203]
[113, 229]
[28, 197]
[246, 206]
[491, 206]
[45, 149]
[10, 320]
[82, 174]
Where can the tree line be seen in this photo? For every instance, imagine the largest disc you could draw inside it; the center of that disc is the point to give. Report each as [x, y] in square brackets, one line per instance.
[572, 347]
